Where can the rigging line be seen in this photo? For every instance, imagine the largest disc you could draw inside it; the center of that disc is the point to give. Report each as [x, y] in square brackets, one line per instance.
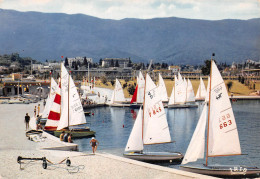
[226, 109]
[217, 85]
[230, 130]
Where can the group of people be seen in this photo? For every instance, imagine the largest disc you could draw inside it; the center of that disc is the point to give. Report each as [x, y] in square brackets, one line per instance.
[66, 137]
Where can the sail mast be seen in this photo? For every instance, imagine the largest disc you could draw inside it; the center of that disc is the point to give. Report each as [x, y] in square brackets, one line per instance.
[143, 110]
[209, 109]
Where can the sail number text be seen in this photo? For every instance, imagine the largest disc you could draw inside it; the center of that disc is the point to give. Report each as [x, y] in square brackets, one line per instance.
[154, 110]
[226, 123]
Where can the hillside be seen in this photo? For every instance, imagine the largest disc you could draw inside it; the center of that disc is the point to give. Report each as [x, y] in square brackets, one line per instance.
[177, 41]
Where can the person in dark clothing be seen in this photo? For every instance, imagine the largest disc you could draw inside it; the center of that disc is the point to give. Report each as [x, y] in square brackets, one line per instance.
[27, 120]
[65, 138]
[94, 143]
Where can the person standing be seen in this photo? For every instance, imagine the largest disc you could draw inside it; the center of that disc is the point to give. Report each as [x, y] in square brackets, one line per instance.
[62, 135]
[27, 120]
[70, 138]
[94, 143]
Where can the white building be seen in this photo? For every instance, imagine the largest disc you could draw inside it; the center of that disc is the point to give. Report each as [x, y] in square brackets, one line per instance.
[111, 62]
[80, 59]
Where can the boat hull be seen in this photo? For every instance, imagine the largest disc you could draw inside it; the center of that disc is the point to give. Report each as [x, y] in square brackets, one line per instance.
[119, 105]
[77, 133]
[224, 171]
[136, 105]
[183, 106]
[154, 156]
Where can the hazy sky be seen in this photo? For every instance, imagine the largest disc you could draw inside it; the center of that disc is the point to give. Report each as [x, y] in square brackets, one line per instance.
[119, 9]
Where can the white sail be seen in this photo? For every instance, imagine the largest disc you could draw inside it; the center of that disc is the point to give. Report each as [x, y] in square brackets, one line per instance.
[54, 114]
[180, 91]
[223, 135]
[190, 92]
[162, 89]
[118, 93]
[140, 90]
[135, 142]
[201, 93]
[155, 126]
[50, 99]
[179, 76]
[171, 100]
[207, 93]
[70, 100]
[196, 147]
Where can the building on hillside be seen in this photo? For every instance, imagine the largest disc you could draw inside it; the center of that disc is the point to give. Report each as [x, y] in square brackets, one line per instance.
[174, 69]
[16, 76]
[79, 59]
[115, 62]
[37, 67]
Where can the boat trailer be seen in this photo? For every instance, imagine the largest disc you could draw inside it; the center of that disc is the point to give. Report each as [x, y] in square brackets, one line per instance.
[44, 161]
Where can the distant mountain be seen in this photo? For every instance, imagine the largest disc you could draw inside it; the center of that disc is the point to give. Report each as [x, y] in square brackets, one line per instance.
[173, 40]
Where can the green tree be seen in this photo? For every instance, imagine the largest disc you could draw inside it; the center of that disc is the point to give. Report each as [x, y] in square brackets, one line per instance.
[131, 89]
[104, 80]
[66, 62]
[206, 67]
[112, 82]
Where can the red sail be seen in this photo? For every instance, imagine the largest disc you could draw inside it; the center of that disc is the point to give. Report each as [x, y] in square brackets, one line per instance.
[134, 96]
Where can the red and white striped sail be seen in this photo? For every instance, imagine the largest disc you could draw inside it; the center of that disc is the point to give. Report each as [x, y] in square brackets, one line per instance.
[50, 99]
[54, 114]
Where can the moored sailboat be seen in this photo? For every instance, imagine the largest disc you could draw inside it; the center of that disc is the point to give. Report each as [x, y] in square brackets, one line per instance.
[150, 127]
[182, 95]
[72, 114]
[201, 92]
[138, 97]
[118, 97]
[222, 135]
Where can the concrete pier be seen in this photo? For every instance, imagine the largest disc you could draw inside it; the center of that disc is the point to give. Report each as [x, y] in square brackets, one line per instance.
[14, 143]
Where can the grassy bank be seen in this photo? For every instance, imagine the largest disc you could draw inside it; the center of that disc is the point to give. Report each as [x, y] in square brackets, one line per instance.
[237, 88]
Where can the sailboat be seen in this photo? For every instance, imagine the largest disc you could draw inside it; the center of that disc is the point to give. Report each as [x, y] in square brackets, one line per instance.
[222, 135]
[201, 93]
[162, 89]
[118, 97]
[138, 97]
[182, 95]
[72, 114]
[150, 127]
[53, 89]
[54, 113]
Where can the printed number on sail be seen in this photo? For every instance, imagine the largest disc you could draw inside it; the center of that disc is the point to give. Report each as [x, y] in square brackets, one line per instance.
[156, 109]
[226, 123]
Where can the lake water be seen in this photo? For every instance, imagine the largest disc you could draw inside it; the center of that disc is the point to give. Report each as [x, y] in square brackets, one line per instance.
[113, 126]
